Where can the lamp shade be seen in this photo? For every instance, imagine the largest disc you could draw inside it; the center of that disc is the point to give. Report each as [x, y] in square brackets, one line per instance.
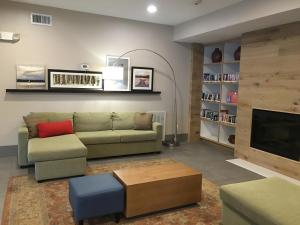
[113, 73]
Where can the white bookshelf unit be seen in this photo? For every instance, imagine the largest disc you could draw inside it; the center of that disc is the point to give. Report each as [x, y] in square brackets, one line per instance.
[220, 82]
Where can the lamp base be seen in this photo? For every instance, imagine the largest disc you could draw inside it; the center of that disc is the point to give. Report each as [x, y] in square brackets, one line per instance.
[171, 143]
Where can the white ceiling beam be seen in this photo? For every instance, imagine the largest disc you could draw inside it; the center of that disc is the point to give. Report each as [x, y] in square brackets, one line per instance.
[232, 21]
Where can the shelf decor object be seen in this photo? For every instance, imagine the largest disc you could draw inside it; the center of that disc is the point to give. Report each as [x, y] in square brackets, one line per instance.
[174, 140]
[74, 79]
[31, 77]
[216, 56]
[113, 78]
[142, 78]
[113, 84]
[220, 93]
[237, 54]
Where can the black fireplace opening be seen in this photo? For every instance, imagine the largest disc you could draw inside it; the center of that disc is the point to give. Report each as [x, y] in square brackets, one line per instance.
[276, 132]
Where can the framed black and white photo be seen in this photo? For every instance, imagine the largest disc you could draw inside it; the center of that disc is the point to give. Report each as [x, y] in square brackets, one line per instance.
[74, 79]
[31, 77]
[142, 78]
[118, 85]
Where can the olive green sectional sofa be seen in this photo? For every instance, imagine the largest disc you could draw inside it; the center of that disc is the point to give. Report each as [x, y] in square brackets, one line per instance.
[96, 135]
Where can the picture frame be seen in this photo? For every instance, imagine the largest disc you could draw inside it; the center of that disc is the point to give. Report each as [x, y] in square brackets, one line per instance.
[118, 85]
[142, 79]
[74, 79]
[30, 77]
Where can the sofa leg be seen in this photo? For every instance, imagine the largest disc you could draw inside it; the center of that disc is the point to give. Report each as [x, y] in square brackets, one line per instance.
[117, 217]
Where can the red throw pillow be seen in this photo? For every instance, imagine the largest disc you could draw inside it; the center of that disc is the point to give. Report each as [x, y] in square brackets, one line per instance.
[55, 128]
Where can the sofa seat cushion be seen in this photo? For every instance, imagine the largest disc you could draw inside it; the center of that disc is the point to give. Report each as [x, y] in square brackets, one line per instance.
[137, 135]
[55, 148]
[99, 137]
[268, 201]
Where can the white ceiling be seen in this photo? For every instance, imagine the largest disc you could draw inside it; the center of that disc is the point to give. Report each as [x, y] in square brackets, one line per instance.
[170, 12]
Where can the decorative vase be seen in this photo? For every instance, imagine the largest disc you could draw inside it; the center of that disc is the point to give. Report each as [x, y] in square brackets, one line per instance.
[216, 56]
[237, 54]
[231, 139]
[234, 97]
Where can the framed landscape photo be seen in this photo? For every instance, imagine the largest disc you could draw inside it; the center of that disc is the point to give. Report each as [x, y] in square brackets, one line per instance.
[118, 85]
[142, 79]
[73, 79]
[31, 77]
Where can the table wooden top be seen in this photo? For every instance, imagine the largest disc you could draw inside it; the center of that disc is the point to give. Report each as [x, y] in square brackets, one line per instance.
[147, 174]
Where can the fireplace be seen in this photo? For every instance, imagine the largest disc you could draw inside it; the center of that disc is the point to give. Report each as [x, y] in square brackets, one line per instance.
[277, 133]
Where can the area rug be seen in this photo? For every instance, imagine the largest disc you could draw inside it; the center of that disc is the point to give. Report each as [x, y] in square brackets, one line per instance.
[30, 203]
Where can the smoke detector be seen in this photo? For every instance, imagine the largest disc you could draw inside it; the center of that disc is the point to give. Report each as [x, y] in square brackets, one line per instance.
[197, 2]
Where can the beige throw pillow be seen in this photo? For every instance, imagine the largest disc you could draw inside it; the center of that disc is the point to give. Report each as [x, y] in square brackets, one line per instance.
[143, 121]
[31, 121]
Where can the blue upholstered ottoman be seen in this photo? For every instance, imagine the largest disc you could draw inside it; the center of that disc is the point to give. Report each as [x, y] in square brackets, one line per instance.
[95, 196]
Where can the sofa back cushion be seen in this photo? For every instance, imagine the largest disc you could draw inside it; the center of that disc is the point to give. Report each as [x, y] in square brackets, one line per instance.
[31, 122]
[95, 121]
[123, 120]
[143, 121]
[55, 116]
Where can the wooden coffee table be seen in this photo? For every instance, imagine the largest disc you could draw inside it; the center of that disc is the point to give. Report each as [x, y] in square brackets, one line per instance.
[154, 188]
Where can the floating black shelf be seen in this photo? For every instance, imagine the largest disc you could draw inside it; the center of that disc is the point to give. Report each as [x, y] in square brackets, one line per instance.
[74, 91]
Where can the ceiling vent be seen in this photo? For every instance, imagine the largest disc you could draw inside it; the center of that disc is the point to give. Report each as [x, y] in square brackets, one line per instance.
[41, 19]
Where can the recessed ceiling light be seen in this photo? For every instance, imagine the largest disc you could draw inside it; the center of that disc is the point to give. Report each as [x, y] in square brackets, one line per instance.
[152, 9]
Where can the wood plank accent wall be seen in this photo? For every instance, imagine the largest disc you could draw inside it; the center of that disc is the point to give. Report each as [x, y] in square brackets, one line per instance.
[196, 91]
[269, 79]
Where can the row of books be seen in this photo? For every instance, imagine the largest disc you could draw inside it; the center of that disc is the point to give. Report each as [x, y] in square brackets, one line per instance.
[228, 118]
[224, 116]
[210, 114]
[231, 76]
[212, 77]
[221, 77]
[207, 96]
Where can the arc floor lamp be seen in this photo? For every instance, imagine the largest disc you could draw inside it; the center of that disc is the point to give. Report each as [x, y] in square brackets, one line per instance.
[174, 140]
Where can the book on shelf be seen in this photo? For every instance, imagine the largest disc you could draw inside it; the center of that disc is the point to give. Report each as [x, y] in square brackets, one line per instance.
[225, 77]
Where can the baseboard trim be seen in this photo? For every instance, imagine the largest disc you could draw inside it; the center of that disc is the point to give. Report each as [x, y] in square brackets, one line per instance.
[11, 150]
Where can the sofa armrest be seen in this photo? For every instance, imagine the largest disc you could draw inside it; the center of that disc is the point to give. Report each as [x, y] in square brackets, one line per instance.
[23, 137]
[157, 127]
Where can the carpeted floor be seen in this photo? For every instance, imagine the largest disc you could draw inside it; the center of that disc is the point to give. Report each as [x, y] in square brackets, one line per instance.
[30, 203]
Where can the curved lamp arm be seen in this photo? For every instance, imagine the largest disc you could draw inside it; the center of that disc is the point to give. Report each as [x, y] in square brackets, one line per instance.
[174, 140]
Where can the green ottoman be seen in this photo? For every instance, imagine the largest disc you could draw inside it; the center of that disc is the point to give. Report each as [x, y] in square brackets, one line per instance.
[270, 201]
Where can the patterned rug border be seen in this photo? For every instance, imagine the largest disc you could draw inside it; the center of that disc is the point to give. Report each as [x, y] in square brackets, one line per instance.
[5, 212]
[8, 194]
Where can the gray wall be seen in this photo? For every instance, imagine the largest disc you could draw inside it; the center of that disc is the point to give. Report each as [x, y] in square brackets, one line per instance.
[77, 38]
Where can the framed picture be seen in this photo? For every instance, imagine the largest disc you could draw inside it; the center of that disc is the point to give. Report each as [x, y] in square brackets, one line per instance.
[31, 77]
[118, 85]
[74, 79]
[142, 79]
